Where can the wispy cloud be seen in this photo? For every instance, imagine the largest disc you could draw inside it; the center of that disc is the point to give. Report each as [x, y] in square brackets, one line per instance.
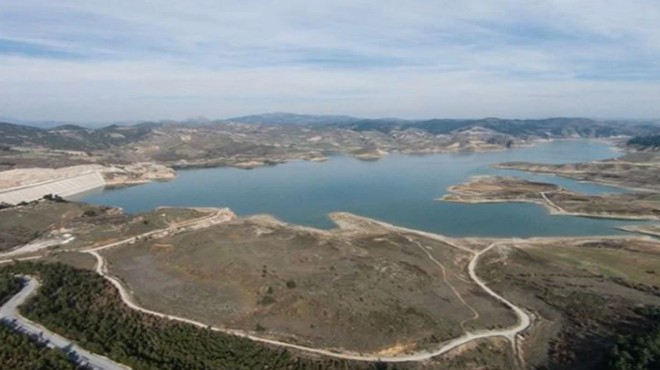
[85, 60]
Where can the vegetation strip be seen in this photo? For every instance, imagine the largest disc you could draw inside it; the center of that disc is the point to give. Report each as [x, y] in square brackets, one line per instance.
[19, 351]
[9, 314]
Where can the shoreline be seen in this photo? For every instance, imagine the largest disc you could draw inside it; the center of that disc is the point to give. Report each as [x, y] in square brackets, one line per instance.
[248, 164]
[495, 189]
[640, 229]
[552, 210]
[125, 183]
[567, 175]
[575, 174]
[344, 222]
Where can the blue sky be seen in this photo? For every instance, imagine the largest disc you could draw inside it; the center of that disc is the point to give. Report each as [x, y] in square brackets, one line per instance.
[132, 60]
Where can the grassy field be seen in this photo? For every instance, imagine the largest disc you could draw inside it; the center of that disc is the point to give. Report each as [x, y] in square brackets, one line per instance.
[583, 294]
[83, 261]
[88, 224]
[653, 198]
[372, 291]
[20, 225]
[367, 287]
[639, 266]
[86, 308]
[482, 354]
[50, 219]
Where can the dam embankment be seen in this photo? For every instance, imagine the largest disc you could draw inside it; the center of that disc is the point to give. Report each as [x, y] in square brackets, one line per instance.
[64, 187]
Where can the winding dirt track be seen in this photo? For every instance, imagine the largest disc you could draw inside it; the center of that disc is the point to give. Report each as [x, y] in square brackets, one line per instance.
[475, 313]
[552, 204]
[524, 320]
[224, 215]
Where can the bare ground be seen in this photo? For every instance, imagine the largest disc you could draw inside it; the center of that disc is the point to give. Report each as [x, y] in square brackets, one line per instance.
[374, 290]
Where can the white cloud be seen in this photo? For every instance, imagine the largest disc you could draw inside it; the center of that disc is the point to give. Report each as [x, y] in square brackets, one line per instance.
[97, 60]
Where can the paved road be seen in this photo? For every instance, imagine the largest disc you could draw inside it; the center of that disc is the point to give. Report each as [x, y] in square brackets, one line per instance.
[9, 314]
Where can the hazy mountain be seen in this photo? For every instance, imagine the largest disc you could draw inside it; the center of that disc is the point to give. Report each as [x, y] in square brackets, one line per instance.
[491, 130]
[50, 123]
[70, 137]
[280, 118]
[520, 128]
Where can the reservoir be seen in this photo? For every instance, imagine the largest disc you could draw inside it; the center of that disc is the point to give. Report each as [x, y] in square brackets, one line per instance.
[399, 189]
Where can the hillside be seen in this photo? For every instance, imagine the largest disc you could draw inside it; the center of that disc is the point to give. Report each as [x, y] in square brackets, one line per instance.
[268, 139]
[518, 128]
[69, 137]
[281, 118]
[645, 142]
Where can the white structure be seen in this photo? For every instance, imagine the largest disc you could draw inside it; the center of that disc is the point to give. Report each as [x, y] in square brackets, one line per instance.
[65, 187]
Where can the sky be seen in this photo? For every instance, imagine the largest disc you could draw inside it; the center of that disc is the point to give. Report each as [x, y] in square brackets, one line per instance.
[147, 60]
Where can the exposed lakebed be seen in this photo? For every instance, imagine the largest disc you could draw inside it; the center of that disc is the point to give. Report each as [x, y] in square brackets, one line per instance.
[400, 189]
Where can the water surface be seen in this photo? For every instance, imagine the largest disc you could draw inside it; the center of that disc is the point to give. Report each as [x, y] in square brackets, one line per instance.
[400, 189]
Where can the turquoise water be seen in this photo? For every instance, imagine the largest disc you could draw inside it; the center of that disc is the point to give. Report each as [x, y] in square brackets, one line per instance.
[400, 189]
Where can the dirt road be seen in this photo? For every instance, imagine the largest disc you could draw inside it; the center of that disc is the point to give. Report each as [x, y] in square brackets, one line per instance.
[524, 319]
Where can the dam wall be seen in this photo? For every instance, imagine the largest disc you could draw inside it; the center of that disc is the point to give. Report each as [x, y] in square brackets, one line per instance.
[65, 187]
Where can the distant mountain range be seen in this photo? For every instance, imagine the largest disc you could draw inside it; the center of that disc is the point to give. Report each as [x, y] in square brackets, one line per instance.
[280, 118]
[76, 137]
[284, 118]
[523, 128]
[46, 124]
[70, 137]
[251, 141]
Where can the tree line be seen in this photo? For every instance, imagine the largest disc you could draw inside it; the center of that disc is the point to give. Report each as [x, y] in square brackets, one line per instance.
[20, 351]
[640, 351]
[9, 285]
[84, 307]
[652, 141]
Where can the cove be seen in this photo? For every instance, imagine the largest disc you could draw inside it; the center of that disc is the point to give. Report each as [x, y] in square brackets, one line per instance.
[399, 189]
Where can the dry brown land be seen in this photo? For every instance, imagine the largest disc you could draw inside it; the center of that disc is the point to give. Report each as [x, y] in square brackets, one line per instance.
[367, 287]
[355, 288]
[373, 288]
[493, 354]
[85, 225]
[653, 230]
[583, 293]
[22, 224]
[78, 260]
[635, 170]
[496, 189]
